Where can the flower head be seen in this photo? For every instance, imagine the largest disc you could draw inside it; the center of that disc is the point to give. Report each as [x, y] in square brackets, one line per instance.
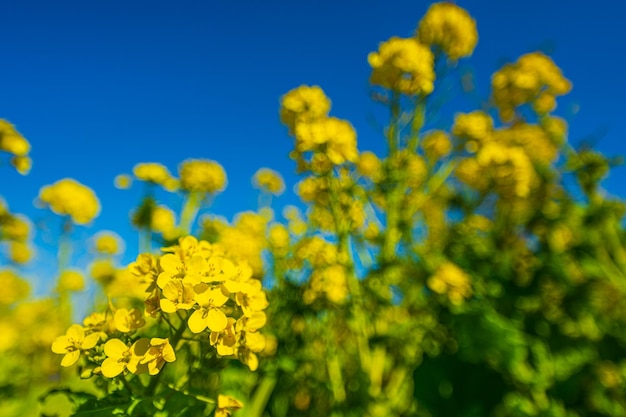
[71, 198]
[73, 343]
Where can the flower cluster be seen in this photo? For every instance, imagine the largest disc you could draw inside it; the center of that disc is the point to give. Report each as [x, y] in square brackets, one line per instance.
[219, 294]
[534, 79]
[269, 180]
[451, 280]
[13, 142]
[155, 173]
[403, 65]
[71, 198]
[15, 230]
[202, 176]
[449, 27]
[328, 141]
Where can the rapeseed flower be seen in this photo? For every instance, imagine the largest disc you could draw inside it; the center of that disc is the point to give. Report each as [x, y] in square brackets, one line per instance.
[450, 28]
[302, 105]
[269, 180]
[201, 175]
[451, 280]
[403, 65]
[71, 280]
[11, 140]
[73, 343]
[70, 198]
[107, 243]
[209, 314]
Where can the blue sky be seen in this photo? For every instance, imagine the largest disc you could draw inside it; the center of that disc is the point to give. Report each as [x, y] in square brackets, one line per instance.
[97, 87]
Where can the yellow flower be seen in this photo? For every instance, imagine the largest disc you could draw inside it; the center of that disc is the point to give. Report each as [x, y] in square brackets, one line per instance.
[451, 280]
[269, 180]
[71, 280]
[107, 243]
[226, 405]
[278, 237]
[11, 140]
[159, 352]
[72, 343]
[127, 321]
[369, 166]
[225, 341]
[476, 128]
[403, 65]
[19, 252]
[534, 79]
[179, 295]
[163, 221]
[436, 144]
[303, 104]
[449, 27]
[202, 176]
[13, 287]
[14, 227]
[152, 172]
[209, 314]
[121, 357]
[71, 198]
[22, 164]
[251, 297]
[122, 181]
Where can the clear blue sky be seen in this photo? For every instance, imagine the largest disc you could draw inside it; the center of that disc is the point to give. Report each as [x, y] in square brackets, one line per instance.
[97, 86]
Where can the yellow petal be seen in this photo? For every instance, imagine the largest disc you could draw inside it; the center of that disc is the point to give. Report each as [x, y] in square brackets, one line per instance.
[168, 353]
[70, 358]
[170, 263]
[255, 341]
[218, 297]
[252, 361]
[115, 348]
[60, 345]
[216, 320]
[112, 367]
[196, 322]
[167, 305]
[90, 341]
[76, 332]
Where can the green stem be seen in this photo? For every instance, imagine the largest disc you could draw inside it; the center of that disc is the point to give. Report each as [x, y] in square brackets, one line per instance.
[261, 396]
[190, 211]
[151, 389]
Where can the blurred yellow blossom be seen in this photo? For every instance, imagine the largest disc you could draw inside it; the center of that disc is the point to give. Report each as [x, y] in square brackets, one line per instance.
[534, 79]
[436, 144]
[152, 172]
[71, 198]
[369, 166]
[71, 280]
[403, 65]
[451, 280]
[202, 175]
[122, 181]
[20, 252]
[22, 164]
[303, 104]
[269, 180]
[449, 27]
[11, 140]
[164, 221]
[14, 288]
[107, 243]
